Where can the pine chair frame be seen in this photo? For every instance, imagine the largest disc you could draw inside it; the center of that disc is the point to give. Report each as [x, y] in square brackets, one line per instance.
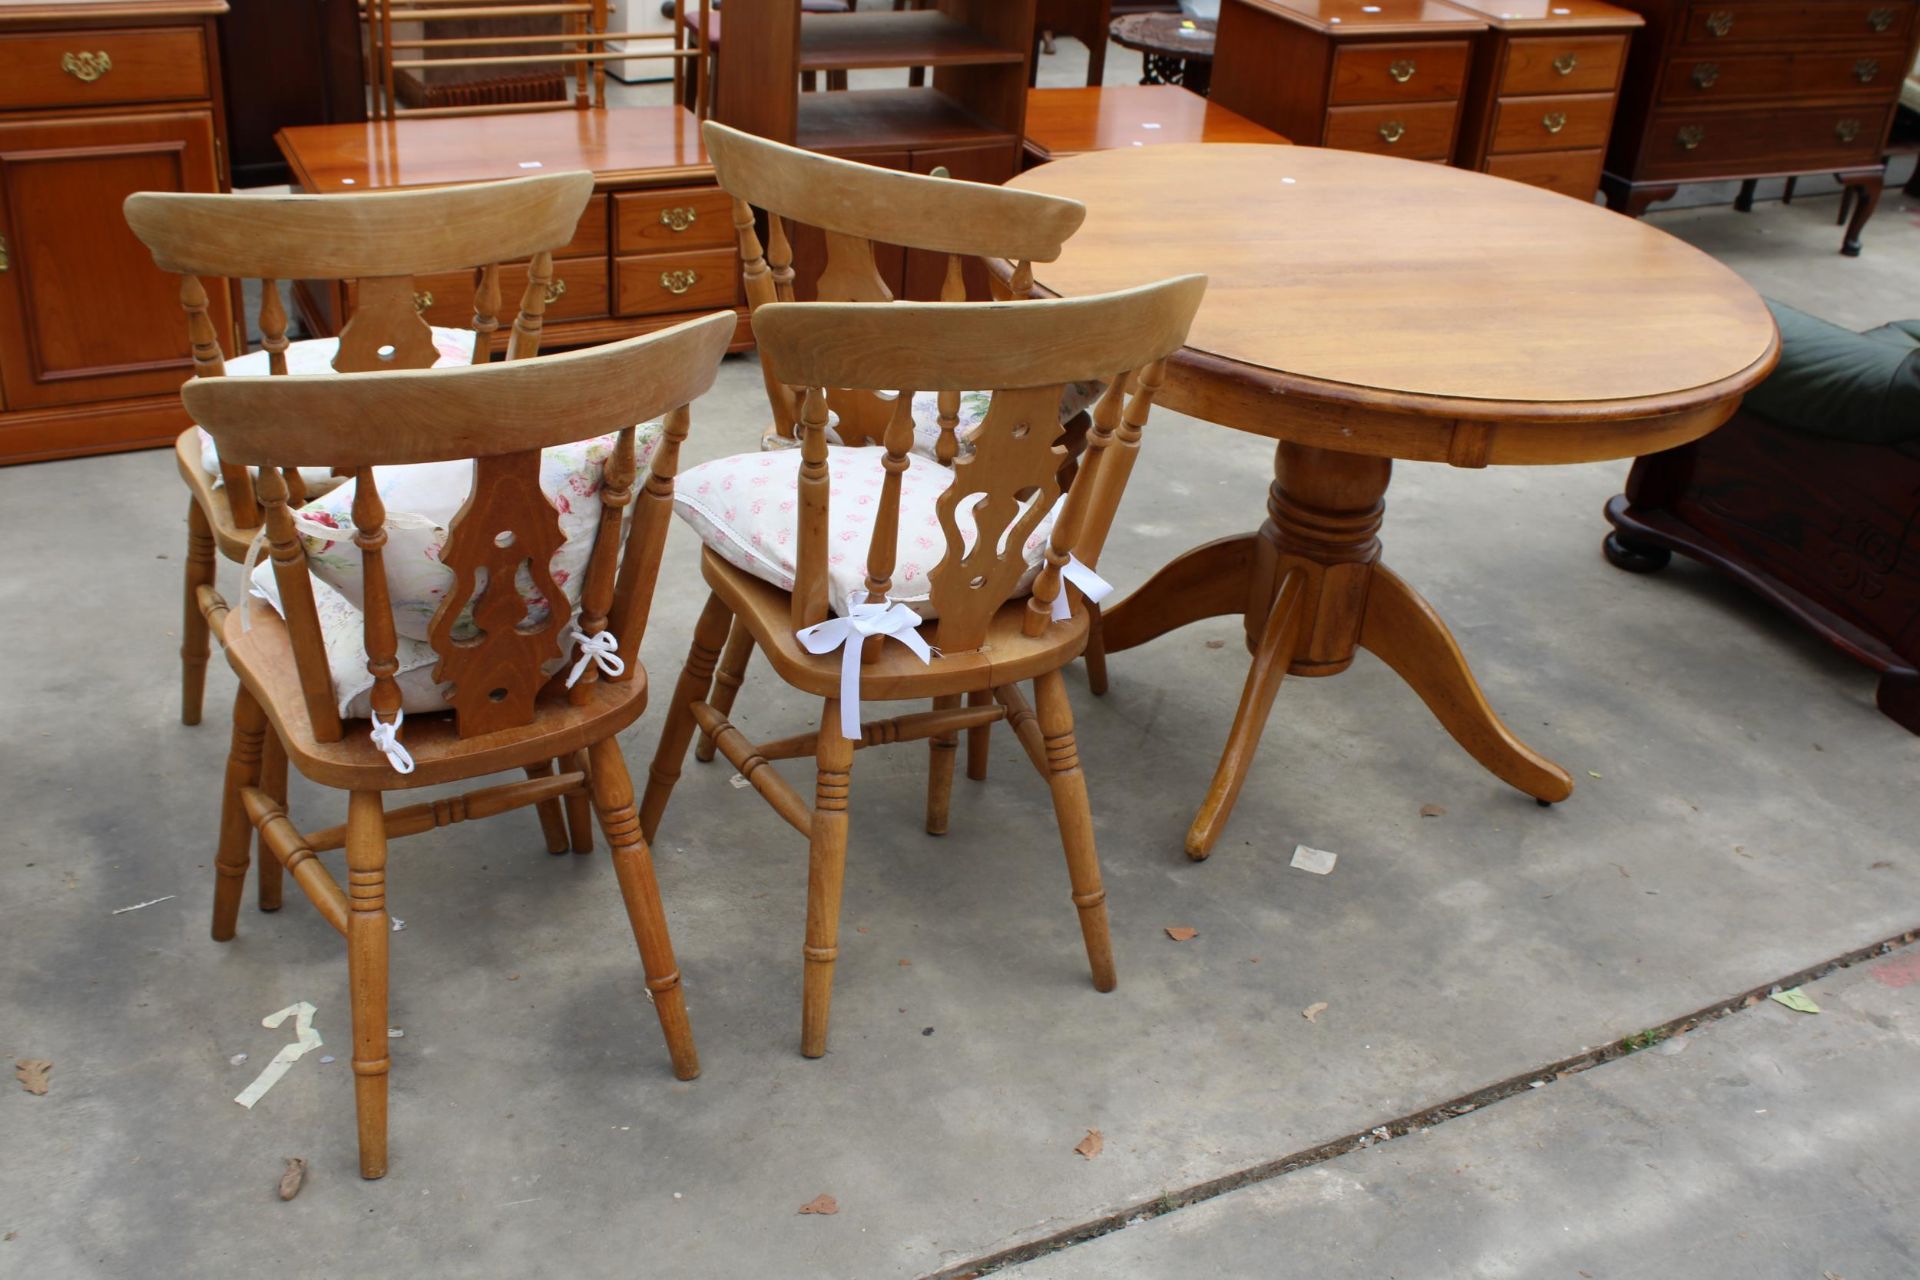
[382, 240]
[507, 713]
[988, 640]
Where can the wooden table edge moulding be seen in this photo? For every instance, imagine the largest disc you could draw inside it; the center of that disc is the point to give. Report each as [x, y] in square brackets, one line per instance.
[1309, 583]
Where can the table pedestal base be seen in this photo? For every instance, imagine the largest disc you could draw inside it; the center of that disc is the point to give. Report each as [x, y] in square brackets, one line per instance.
[1312, 590]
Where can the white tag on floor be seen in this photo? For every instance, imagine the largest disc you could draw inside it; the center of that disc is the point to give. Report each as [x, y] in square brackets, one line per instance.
[1318, 861]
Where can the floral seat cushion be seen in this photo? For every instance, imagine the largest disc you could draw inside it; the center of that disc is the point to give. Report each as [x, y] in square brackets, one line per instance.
[746, 508]
[422, 501]
[1075, 398]
[312, 356]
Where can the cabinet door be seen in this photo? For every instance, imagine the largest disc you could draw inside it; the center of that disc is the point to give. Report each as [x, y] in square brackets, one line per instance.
[84, 313]
[992, 164]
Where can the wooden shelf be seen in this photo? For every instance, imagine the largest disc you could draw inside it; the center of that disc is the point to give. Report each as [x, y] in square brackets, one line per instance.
[888, 120]
[912, 38]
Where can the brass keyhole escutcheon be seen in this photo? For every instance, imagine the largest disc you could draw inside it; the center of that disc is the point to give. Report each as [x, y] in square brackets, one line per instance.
[86, 67]
[678, 282]
[1706, 74]
[1879, 19]
[422, 299]
[556, 290]
[677, 218]
[1719, 22]
[1865, 70]
[1565, 63]
[1392, 131]
[1554, 121]
[1690, 136]
[1847, 130]
[1401, 71]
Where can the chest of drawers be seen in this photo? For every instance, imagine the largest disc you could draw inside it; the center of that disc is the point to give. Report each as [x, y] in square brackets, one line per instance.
[1719, 89]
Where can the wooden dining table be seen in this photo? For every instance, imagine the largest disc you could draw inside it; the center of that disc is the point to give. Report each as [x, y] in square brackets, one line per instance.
[1364, 309]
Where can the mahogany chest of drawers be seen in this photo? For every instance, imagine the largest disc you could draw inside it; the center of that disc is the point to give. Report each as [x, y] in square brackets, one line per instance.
[1719, 89]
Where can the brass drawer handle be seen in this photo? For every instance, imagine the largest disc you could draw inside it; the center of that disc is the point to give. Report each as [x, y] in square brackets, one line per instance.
[1719, 22]
[556, 290]
[1865, 70]
[3, 253]
[1690, 136]
[1401, 71]
[678, 282]
[1565, 63]
[422, 299]
[1877, 20]
[678, 218]
[1392, 131]
[1554, 121]
[1706, 74]
[1847, 130]
[88, 67]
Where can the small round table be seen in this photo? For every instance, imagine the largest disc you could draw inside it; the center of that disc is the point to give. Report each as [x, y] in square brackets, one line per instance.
[1363, 309]
[1173, 49]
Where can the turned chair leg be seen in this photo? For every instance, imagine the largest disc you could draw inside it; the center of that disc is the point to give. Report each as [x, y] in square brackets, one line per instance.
[273, 781]
[553, 824]
[236, 829]
[826, 872]
[941, 748]
[696, 678]
[633, 866]
[1075, 816]
[367, 941]
[195, 641]
[580, 803]
[726, 682]
[979, 738]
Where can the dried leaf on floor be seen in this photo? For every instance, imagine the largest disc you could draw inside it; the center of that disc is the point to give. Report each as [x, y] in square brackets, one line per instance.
[1797, 1000]
[290, 1180]
[1216, 644]
[822, 1204]
[1181, 932]
[1313, 1011]
[1091, 1145]
[905, 963]
[1433, 811]
[32, 1074]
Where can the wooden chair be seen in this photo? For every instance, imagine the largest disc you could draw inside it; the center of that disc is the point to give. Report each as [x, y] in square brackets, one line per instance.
[506, 713]
[381, 240]
[987, 636]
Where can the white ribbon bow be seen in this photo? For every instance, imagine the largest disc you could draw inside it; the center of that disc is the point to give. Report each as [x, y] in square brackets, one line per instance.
[386, 737]
[602, 649]
[881, 618]
[1094, 587]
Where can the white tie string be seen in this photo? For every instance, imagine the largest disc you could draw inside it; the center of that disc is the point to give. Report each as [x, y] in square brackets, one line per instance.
[881, 618]
[1094, 587]
[386, 737]
[602, 649]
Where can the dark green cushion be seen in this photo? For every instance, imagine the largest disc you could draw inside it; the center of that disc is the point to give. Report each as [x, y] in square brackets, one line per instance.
[1848, 386]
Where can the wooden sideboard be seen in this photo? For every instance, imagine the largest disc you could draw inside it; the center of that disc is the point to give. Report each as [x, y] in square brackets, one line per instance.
[1541, 96]
[98, 99]
[1720, 89]
[1386, 77]
[655, 246]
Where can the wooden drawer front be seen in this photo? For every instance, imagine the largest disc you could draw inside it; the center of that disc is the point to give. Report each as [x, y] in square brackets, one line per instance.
[1680, 143]
[681, 218]
[1549, 64]
[578, 292]
[1866, 22]
[91, 68]
[1781, 75]
[1555, 123]
[659, 282]
[1571, 173]
[590, 237]
[1417, 131]
[1398, 73]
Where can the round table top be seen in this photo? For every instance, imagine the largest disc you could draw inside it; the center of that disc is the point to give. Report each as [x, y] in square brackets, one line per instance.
[1406, 299]
[1173, 34]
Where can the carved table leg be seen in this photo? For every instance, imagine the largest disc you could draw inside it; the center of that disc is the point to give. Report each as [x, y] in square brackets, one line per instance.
[1205, 582]
[1863, 194]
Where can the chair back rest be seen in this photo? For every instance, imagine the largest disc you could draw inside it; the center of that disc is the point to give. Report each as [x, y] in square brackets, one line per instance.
[380, 240]
[1023, 354]
[856, 206]
[501, 416]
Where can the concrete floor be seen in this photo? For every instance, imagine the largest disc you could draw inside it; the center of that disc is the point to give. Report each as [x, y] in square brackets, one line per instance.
[1742, 814]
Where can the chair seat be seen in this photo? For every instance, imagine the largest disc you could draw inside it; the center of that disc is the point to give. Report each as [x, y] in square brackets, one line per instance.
[1009, 654]
[262, 656]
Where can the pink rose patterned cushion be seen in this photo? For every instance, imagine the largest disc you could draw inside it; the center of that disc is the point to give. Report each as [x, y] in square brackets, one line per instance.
[746, 508]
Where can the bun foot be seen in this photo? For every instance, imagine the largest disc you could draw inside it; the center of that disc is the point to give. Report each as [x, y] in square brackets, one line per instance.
[1634, 557]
